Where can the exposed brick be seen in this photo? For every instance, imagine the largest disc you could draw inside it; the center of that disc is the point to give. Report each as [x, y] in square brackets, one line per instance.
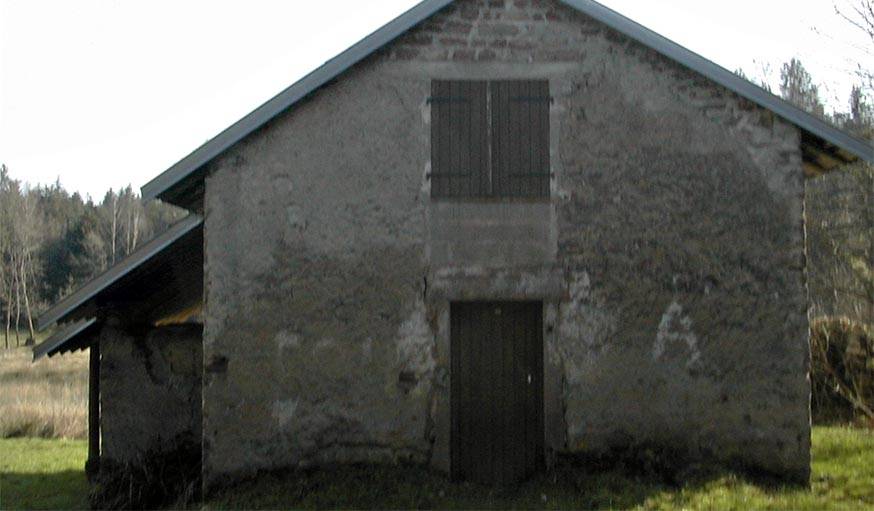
[416, 39]
[486, 54]
[457, 27]
[431, 25]
[405, 53]
[558, 54]
[434, 53]
[515, 15]
[520, 44]
[469, 13]
[464, 54]
[498, 29]
[453, 41]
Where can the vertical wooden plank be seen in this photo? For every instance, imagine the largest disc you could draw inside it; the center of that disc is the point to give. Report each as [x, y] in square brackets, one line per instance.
[535, 407]
[494, 113]
[465, 393]
[508, 437]
[92, 464]
[470, 392]
[485, 357]
[513, 139]
[436, 123]
[523, 143]
[484, 130]
[497, 121]
[468, 156]
[474, 139]
[485, 140]
[452, 135]
[543, 117]
[534, 168]
[443, 128]
[523, 352]
[518, 382]
[464, 147]
[455, 399]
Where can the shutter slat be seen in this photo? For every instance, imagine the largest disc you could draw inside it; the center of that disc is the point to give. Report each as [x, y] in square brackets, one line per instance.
[458, 140]
[520, 125]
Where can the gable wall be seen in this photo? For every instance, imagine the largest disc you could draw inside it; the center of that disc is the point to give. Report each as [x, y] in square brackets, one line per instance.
[669, 259]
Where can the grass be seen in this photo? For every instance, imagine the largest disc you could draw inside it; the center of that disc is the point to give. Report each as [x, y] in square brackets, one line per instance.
[37, 473]
[49, 474]
[47, 398]
[843, 478]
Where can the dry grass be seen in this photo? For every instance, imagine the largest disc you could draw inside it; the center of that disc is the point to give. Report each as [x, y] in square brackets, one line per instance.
[47, 398]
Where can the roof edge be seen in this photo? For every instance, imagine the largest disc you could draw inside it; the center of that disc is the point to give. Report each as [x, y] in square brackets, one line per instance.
[810, 123]
[56, 341]
[119, 270]
[303, 87]
[161, 184]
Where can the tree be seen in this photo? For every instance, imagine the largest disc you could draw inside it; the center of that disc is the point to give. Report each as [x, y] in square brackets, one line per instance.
[797, 87]
[52, 242]
[860, 15]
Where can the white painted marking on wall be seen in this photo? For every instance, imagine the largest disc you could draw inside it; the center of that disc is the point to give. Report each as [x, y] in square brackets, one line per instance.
[415, 342]
[283, 411]
[287, 340]
[672, 317]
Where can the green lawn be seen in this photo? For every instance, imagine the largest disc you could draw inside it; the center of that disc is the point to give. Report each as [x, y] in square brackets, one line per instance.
[38, 473]
[843, 478]
[48, 474]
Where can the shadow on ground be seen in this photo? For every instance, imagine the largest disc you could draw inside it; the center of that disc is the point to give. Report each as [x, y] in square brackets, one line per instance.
[568, 486]
[66, 489]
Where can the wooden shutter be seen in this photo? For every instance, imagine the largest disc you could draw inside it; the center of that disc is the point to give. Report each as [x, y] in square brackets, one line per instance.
[520, 138]
[459, 139]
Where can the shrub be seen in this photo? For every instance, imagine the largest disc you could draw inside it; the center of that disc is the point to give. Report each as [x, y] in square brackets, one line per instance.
[842, 368]
[161, 477]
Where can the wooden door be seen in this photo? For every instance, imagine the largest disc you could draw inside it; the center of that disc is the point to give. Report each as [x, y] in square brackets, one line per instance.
[496, 390]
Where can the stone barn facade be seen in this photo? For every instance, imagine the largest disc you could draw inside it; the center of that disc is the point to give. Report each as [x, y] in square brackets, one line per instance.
[490, 232]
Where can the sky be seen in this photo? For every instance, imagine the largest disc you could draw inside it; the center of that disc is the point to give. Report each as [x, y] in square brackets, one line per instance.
[106, 93]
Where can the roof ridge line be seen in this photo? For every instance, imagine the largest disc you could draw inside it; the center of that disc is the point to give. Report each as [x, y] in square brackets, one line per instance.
[164, 182]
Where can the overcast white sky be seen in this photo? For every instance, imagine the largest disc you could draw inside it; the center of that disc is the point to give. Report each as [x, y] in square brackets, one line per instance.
[102, 93]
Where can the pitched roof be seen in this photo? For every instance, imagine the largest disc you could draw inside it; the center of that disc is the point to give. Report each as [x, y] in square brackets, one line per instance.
[825, 145]
[69, 337]
[162, 271]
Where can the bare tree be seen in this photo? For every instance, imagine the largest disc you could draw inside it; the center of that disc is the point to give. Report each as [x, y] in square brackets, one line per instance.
[113, 225]
[28, 228]
[860, 14]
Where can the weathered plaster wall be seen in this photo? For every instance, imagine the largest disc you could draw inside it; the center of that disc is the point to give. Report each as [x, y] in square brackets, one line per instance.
[669, 259]
[150, 390]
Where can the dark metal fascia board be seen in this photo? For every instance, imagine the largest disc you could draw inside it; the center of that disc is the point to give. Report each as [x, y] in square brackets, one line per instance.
[300, 89]
[334, 67]
[61, 337]
[724, 77]
[122, 268]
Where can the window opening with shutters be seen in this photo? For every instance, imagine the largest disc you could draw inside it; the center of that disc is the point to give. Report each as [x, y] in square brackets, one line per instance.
[490, 138]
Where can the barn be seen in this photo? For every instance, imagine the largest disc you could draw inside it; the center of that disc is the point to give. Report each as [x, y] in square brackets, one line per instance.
[490, 232]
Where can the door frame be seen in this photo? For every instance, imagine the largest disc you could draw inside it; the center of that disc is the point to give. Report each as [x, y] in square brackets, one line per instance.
[547, 285]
